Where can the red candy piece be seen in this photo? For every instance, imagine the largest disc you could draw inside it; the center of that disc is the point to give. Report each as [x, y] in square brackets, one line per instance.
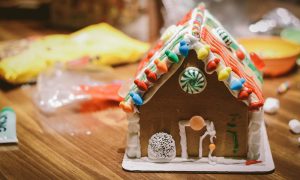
[249, 162]
[240, 54]
[212, 65]
[151, 76]
[243, 95]
[159, 45]
[258, 62]
[150, 53]
[141, 85]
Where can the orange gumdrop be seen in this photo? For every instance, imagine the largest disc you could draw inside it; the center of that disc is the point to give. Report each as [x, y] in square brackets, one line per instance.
[161, 65]
[197, 123]
[126, 107]
[212, 147]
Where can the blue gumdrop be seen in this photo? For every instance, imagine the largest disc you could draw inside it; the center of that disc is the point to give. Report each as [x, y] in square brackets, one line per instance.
[237, 84]
[184, 48]
[136, 98]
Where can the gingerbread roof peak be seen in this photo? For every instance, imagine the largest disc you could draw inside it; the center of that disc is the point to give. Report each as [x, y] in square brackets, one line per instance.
[201, 32]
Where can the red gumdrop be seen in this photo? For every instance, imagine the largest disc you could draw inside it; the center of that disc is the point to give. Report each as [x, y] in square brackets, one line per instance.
[150, 53]
[258, 62]
[240, 54]
[141, 85]
[217, 60]
[151, 76]
[159, 45]
[212, 65]
[243, 95]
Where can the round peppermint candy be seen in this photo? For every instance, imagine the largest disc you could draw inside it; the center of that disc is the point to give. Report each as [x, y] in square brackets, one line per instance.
[192, 80]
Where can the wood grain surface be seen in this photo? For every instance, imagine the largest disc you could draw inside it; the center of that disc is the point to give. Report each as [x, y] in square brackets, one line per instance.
[91, 145]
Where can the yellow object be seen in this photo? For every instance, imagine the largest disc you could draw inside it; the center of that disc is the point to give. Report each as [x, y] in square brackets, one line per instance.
[224, 74]
[207, 47]
[202, 53]
[279, 55]
[101, 43]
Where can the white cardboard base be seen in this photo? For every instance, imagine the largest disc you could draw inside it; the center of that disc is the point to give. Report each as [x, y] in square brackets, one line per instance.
[202, 166]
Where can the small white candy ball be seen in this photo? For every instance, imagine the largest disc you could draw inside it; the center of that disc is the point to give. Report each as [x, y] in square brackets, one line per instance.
[295, 125]
[271, 105]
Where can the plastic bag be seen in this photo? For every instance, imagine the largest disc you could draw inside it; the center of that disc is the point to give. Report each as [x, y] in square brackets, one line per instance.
[59, 88]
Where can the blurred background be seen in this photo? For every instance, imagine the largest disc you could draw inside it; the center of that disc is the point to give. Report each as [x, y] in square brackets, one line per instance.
[141, 19]
[66, 64]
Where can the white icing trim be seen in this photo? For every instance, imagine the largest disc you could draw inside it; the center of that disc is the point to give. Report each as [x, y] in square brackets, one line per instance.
[133, 149]
[254, 135]
[183, 141]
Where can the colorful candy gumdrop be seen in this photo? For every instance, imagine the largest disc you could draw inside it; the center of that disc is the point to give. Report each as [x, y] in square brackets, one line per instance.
[258, 62]
[141, 85]
[212, 65]
[151, 76]
[161, 65]
[237, 84]
[137, 99]
[202, 53]
[127, 107]
[172, 56]
[197, 123]
[224, 74]
[244, 94]
[150, 53]
[183, 48]
[240, 54]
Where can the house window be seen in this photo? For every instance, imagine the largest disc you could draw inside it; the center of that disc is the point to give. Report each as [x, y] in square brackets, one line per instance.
[192, 80]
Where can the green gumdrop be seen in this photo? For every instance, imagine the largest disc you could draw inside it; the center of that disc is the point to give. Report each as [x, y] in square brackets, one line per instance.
[172, 56]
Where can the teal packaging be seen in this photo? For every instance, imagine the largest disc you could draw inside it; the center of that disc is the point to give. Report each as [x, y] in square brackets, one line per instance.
[8, 126]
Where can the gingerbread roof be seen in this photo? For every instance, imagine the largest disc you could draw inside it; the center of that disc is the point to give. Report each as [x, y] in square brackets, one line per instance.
[201, 32]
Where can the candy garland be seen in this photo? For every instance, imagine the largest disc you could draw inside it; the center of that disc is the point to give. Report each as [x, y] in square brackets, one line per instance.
[236, 67]
[179, 43]
[153, 70]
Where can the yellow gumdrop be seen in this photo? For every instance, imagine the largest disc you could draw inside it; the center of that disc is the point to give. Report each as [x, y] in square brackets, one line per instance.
[202, 53]
[207, 47]
[212, 147]
[224, 74]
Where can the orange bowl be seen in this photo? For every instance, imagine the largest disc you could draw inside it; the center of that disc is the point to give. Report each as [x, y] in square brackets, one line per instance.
[279, 55]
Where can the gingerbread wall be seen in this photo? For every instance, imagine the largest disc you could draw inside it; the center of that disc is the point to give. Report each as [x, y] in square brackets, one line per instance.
[170, 104]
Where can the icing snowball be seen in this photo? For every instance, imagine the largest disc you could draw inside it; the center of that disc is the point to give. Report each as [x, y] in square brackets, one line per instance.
[161, 147]
[271, 105]
[295, 125]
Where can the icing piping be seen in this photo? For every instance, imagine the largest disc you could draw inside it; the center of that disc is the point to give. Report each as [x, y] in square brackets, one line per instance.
[183, 143]
[210, 130]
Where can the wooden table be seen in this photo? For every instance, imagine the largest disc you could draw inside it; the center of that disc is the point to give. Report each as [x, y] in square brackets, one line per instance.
[91, 145]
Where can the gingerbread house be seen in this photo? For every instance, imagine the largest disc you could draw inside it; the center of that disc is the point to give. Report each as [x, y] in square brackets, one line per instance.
[197, 94]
